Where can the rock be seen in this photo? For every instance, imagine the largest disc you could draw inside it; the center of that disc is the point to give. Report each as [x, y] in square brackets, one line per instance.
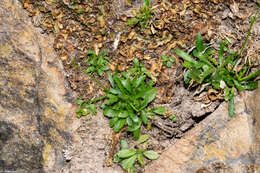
[36, 113]
[218, 143]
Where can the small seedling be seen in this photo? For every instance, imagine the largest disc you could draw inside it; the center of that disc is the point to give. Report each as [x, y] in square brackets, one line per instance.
[127, 101]
[143, 17]
[85, 108]
[167, 61]
[173, 118]
[97, 63]
[129, 157]
[221, 75]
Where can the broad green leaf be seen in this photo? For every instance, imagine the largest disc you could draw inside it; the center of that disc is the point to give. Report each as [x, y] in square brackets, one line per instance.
[79, 101]
[91, 52]
[188, 64]
[149, 96]
[132, 21]
[129, 163]
[199, 43]
[111, 80]
[140, 159]
[123, 144]
[134, 117]
[160, 110]
[184, 55]
[138, 80]
[251, 85]
[109, 112]
[126, 84]
[135, 126]
[125, 153]
[238, 85]
[118, 81]
[147, 2]
[119, 125]
[172, 59]
[143, 138]
[123, 114]
[187, 77]
[169, 64]
[90, 69]
[129, 121]
[144, 117]
[152, 155]
[116, 158]
[113, 121]
[137, 134]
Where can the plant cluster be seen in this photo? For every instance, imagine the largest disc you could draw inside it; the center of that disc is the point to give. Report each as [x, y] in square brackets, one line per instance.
[143, 17]
[221, 74]
[97, 63]
[127, 101]
[167, 61]
[129, 157]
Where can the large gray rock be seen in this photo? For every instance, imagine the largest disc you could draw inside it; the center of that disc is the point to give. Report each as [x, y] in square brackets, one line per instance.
[218, 143]
[35, 107]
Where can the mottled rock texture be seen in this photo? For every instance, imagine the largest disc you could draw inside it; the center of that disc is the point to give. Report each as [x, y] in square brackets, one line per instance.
[35, 106]
[218, 143]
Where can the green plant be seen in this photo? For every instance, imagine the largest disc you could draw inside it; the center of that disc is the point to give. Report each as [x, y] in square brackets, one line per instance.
[221, 75]
[127, 101]
[128, 157]
[85, 108]
[143, 17]
[173, 118]
[97, 63]
[167, 61]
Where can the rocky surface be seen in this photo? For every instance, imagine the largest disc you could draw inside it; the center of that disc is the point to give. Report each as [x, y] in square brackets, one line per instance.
[218, 143]
[36, 113]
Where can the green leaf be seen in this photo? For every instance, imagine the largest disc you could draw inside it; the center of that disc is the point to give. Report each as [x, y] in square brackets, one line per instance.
[199, 43]
[109, 112]
[143, 138]
[123, 114]
[238, 85]
[184, 55]
[135, 126]
[169, 64]
[152, 155]
[126, 84]
[132, 21]
[149, 96]
[113, 121]
[251, 76]
[144, 117]
[172, 59]
[129, 163]
[251, 85]
[160, 110]
[138, 80]
[137, 134]
[116, 159]
[118, 81]
[140, 159]
[79, 101]
[110, 79]
[221, 53]
[119, 125]
[123, 144]
[147, 2]
[173, 118]
[231, 104]
[187, 77]
[125, 153]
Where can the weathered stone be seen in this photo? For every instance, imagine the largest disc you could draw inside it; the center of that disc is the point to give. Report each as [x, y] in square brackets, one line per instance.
[35, 107]
[218, 143]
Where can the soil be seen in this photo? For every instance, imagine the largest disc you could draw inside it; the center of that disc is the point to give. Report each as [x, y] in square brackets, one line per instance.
[81, 25]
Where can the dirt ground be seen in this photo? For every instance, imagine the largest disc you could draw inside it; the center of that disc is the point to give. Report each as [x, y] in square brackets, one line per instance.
[81, 25]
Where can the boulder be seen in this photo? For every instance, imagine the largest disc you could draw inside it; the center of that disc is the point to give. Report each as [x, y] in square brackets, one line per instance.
[218, 143]
[36, 110]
